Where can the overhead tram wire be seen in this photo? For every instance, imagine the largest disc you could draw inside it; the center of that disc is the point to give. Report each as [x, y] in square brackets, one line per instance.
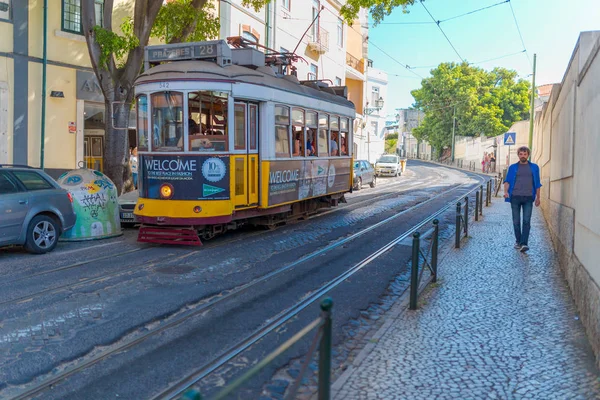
[441, 30]
[474, 11]
[498, 58]
[520, 35]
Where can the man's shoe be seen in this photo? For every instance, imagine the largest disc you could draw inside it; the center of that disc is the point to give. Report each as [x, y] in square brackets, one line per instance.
[517, 246]
[524, 248]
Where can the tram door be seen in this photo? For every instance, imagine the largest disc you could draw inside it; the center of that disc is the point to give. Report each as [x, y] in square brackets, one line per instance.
[246, 154]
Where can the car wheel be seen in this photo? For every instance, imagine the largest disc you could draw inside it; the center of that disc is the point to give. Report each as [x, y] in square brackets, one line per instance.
[374, 182]
[42, 235]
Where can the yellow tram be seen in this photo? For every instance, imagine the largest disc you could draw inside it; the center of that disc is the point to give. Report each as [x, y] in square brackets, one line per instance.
[225, 138]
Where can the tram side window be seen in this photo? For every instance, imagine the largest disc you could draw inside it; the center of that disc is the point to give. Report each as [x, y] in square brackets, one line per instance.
[142, 122]
[344, 136]
[311, 133]
[322, 141]
[298, 132]
[282, 129]
[207, 121]
[334, 139]
[167, 121]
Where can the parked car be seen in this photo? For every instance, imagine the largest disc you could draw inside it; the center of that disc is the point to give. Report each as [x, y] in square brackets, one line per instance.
[34, 209]
[127, 204]
[388, 164]
[363, 174]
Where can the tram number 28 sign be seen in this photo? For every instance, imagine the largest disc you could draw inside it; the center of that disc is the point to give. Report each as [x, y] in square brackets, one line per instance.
[191, 177]
[181, 52]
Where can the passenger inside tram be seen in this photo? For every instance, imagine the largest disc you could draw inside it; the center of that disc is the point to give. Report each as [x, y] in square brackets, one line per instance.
[207, 121]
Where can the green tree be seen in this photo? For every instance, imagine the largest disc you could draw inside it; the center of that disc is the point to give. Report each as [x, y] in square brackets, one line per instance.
[117, 58]
[487, 102]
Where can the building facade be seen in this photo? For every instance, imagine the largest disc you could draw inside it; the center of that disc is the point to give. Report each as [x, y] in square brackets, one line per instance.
[71, 133]
[372, 144]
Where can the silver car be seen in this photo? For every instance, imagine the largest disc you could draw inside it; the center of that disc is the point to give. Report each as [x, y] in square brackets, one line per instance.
[127, 204]
[34, 209]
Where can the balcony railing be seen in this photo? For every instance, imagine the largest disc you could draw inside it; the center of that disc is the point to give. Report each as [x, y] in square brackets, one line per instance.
[319, 41]
[355, 63]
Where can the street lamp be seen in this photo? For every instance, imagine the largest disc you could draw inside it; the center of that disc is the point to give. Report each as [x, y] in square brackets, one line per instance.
[378, 106]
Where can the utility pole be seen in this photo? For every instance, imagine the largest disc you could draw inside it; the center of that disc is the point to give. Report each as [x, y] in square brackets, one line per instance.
[532, 111]
[453, 126]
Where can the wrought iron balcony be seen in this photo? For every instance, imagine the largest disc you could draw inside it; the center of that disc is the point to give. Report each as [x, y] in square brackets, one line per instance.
[319, 41]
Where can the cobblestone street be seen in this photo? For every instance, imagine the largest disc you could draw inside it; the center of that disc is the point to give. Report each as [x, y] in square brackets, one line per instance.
[501, 325]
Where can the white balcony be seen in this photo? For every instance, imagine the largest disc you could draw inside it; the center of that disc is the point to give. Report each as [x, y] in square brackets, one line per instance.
[319, 41]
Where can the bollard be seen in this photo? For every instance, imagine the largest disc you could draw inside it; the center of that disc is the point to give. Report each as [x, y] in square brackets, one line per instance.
[481, 200]
[476, 205]
[325, 351]
[458, 227]
[414, 272]
[487, 193]
[434, 249]
[466, 221]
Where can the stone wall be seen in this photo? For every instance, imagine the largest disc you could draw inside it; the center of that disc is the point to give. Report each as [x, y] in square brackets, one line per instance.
[566, 147]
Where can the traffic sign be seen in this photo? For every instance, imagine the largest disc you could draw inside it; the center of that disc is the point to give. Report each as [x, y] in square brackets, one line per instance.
[510, 138]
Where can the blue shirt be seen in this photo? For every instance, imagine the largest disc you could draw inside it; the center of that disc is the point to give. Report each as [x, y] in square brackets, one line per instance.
[511, 178]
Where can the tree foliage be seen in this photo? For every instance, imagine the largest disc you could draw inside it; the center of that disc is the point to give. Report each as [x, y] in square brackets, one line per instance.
[378, 9]
[485, 102]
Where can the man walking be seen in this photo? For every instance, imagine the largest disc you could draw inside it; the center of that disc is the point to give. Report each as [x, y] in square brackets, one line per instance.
[521, 189]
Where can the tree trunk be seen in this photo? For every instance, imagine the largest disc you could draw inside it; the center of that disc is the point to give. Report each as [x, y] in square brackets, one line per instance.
[116, 154]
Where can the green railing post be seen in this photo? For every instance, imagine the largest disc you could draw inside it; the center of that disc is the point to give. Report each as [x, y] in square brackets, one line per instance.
[414, 271]
[466, 221]
[476, 205]
[458, 227]
[325, 351]
[434, 249]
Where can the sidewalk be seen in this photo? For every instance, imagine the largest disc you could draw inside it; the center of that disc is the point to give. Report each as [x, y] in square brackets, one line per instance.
[500, 325]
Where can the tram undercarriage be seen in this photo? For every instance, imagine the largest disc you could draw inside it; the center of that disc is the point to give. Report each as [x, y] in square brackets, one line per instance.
[191, 235]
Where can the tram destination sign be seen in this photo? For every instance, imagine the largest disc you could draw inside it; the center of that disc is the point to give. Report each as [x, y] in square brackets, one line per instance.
[191, 177]
[212, 49]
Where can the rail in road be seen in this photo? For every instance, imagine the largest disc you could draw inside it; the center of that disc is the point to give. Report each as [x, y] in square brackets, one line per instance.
[274, 323]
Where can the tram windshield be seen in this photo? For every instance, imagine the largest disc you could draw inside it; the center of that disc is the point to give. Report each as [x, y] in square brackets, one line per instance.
[207, 121]
[167, 121]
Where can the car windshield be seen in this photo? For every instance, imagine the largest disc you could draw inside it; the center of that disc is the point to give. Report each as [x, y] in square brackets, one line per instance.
[388, 159]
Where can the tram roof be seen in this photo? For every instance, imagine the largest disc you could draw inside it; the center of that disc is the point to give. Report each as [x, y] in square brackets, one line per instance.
[207, 70]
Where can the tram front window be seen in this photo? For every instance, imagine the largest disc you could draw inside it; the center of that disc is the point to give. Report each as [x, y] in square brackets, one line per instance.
[167, 121]
[207, 121]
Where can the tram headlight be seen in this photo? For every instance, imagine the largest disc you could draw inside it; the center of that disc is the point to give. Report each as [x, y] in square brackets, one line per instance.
[197, 209]
[166, 191]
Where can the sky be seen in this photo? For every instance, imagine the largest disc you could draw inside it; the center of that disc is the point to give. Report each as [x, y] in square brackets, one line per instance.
[549, 28]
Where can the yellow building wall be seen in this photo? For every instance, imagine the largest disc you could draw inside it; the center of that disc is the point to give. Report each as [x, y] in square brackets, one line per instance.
[355, 93]
[6, 38]
[7, 75]
[60, 145]
[61, 46]
[354, 42]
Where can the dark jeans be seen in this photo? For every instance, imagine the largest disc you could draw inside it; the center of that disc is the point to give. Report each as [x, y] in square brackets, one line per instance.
[516, 203]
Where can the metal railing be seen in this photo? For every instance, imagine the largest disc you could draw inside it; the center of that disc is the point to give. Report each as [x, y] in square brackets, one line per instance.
[322, 338]
[319, 40]
[416, 276]
[355, 63]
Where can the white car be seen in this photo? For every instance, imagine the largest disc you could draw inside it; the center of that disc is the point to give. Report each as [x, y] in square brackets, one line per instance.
[127, 204]
[388, 164]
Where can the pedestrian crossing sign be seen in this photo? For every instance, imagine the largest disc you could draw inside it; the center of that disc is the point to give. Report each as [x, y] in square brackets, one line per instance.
[510, 138]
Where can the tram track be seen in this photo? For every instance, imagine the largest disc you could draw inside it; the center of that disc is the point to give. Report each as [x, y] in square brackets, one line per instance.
[208, 304]
[142, 266]
[285, 316]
